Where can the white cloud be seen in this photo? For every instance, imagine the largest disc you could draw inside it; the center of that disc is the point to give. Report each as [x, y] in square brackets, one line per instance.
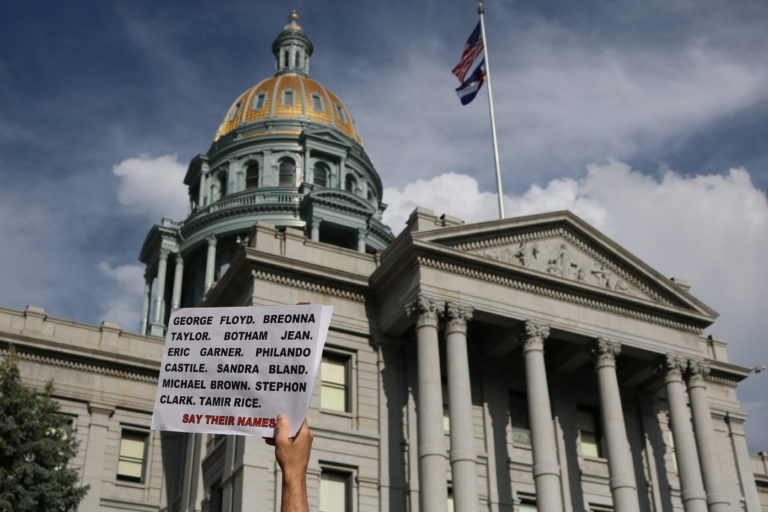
[124, 304]
[561, 99]
[152, 186]
[711, 230]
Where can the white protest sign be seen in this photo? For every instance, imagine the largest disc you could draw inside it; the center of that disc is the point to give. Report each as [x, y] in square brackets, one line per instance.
[233, 370]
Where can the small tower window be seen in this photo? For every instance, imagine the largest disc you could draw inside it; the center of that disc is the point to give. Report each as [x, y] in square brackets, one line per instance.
[288, 99]
[287, 172]
[235, 111]
[317, 102]
[340, 112]
[350, 183]
[252, 176]
[320, 174]
[261, 98]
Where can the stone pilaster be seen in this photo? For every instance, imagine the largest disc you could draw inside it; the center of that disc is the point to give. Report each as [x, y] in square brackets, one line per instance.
[93, 467]
[462, 456]
[158, 324]
[210, 262]
[685, 446]
[622, 472]
[145, 304]
[433, 493]
[546, 470]
[717, 498]
[178, 276]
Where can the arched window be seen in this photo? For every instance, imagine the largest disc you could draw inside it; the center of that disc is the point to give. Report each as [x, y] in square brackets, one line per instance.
[320, 174]
[287, 172]
[252, 176]
[350, 183]
[222, 184]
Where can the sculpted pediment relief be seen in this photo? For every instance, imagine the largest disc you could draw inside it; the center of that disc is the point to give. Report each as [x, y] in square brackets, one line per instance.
[570, 260]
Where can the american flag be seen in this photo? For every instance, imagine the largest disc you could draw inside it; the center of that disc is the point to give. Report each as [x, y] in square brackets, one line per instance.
[472, 49]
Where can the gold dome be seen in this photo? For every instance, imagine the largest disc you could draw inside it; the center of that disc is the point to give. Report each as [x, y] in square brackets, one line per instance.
[298, 97]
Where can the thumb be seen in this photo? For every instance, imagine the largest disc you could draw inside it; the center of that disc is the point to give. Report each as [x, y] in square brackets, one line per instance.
[283, 428]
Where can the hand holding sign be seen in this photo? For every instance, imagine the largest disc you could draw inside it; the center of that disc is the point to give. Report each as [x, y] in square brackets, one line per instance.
[233, 370]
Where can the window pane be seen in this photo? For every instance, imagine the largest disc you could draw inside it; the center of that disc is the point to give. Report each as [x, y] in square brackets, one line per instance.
[252, 176]
[334, 371]
[589, 433]
[334, 492]
[317, 103]
[259, 103]
[450, 502]
[333, 398]
[334, 389]
[286, 172]
[130, 463]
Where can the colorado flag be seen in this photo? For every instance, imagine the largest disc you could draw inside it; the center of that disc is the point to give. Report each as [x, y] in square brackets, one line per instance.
[468, 90]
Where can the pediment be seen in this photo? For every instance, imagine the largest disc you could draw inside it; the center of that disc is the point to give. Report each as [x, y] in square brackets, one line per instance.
[561, 247]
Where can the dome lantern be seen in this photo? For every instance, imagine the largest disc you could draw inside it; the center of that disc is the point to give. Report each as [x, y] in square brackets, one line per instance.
[292, 48]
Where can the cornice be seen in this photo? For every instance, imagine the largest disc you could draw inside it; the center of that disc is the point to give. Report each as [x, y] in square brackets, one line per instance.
[556, 293]
[82, 365]
[305, 284]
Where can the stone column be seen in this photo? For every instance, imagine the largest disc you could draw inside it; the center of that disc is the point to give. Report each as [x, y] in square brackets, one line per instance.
[463, 457]
[93, 467]
[361, 240]
[717, 498]
[433, 491]
[178, 276]
[546, 470]
[620, 467]
[315, 236]
[685, 446]
[158, 326]
[145, 304]
[210, 262]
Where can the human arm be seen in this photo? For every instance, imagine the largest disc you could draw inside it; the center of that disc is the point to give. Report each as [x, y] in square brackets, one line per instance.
[292, 454]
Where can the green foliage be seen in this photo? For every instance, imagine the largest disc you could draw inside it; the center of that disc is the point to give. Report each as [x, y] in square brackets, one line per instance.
[34, 449]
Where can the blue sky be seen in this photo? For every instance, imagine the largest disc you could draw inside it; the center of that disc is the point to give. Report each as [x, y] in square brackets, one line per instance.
[648, 119]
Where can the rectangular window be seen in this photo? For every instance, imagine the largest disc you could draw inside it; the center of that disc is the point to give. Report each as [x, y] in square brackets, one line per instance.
[527, 505]
[335, 490]
[589, 432]
[317, 102]
[133, 456]
[288, 98]
[521, 428]
[451, 505]
[261, 98]
[334, 383]
[340, 113]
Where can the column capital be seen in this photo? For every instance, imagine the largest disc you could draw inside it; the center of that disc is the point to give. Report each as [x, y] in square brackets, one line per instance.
[164, 254]
[673, 367]
[211, 239]
[698, 369]
[425, 309]
[533, 335]
[458, 316]
[605, 352]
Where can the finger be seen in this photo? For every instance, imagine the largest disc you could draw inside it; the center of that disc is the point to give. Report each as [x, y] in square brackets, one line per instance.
[283, 429]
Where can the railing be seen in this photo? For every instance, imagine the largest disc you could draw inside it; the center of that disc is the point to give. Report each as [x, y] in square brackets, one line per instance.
[251, 198]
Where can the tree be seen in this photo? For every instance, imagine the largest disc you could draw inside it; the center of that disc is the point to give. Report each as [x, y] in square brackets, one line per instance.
[34, 448]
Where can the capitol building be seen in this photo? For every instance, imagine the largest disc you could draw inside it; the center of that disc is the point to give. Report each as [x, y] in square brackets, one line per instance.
[522, 364]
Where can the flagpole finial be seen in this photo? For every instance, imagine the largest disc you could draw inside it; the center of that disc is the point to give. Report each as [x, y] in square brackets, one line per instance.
[480, 7]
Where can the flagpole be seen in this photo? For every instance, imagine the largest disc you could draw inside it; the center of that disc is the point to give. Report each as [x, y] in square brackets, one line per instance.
[500, 193]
